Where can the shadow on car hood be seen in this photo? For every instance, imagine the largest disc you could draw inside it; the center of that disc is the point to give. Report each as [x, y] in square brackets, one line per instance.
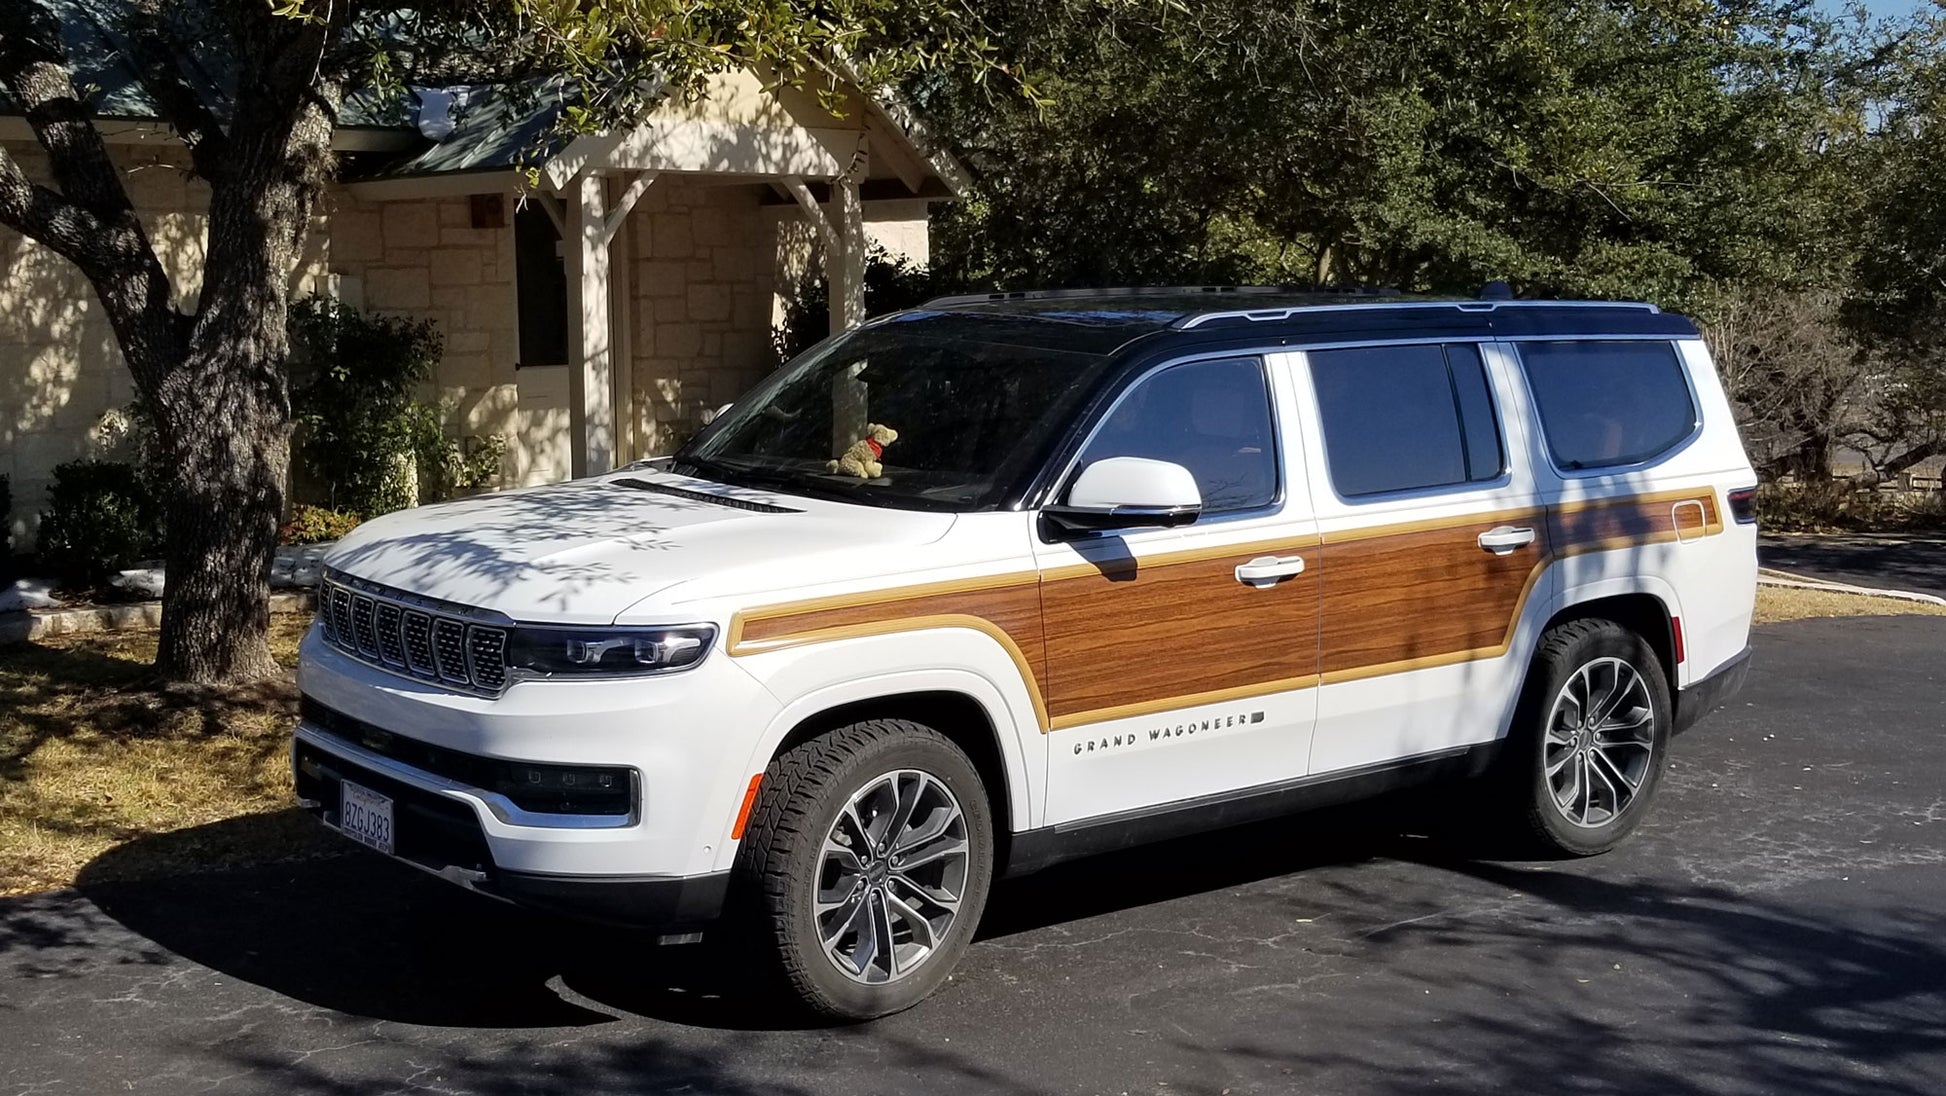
[586, 551]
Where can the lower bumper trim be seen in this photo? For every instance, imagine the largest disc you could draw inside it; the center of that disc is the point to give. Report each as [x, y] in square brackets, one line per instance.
[668, 903]
[1705, 696]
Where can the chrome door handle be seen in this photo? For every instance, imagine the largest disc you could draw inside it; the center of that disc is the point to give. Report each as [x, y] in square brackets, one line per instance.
[1266, 570]
[1502, 539]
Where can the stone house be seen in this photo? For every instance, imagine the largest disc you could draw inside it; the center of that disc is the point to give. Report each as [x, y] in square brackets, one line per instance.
[597, 299]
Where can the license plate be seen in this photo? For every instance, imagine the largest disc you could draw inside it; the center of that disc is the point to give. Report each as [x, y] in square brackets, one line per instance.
[365, 816]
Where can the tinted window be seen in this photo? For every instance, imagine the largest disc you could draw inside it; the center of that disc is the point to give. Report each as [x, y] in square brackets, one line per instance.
[1608, 403]
[970, 417]
[1212, 418]
[1404, 418]
[540, 287]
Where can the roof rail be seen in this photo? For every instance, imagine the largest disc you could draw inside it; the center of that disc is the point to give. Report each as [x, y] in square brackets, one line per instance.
[1001, 297]
[1274, 315]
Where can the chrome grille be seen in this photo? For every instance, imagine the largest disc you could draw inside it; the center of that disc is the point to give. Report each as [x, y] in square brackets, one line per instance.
[486, 656]
[418, 643]
[404, 634]
[391, 645]
[449, 649]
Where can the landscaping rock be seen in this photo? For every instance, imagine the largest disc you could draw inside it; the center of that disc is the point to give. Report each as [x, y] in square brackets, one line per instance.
[298, 565]
[142, 582]
[27, 593]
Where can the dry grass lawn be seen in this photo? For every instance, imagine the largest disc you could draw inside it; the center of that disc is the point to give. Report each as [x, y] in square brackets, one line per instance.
[94, 756]
[1780, 603]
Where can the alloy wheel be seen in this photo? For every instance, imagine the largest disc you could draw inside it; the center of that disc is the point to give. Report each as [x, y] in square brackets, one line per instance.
[891, 875]
[1599, 745]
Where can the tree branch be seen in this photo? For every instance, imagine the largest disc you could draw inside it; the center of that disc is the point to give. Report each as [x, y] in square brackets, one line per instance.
[90, 220]
[40, 213]
[154, 47]
[34, 69]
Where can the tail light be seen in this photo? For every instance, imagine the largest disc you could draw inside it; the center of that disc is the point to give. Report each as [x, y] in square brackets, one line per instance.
[1743, 505]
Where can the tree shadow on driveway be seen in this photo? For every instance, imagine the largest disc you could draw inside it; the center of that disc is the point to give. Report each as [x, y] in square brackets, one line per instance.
[1713, 989]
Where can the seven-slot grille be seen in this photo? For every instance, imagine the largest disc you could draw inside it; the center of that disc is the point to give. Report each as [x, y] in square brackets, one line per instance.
[393, 632]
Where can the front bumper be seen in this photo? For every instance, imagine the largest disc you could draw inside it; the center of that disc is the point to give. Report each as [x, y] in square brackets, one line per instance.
[685, 738]
[436, 829]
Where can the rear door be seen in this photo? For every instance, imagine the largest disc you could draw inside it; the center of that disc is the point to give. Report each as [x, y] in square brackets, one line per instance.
[1434, 539]
[1170, 676]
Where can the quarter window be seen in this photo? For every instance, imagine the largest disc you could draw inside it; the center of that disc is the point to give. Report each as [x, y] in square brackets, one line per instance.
[1606, 404]
[1406, 418]
[1212, 418]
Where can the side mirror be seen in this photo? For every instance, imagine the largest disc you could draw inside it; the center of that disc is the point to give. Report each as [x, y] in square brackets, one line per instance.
[1128, 493]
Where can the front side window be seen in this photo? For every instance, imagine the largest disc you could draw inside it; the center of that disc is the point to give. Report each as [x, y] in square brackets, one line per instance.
[962, 417]
[1406, 418]
[1212, 418]
[1608, 404]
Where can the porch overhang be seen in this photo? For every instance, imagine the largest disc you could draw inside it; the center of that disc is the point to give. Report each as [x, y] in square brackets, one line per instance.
[598, 178]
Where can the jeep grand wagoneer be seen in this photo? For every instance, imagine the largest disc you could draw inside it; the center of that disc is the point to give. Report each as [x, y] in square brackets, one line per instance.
[1131, 564]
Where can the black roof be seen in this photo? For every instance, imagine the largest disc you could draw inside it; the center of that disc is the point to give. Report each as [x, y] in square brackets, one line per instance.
[1101, 321]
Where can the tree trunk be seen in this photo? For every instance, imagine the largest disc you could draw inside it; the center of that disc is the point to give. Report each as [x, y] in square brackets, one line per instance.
[224, 413]
[225, 458]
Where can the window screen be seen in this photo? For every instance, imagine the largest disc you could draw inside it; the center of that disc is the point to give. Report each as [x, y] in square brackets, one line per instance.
[540, 288]
[1212, 418]
[1604, 404]
[1405, 418]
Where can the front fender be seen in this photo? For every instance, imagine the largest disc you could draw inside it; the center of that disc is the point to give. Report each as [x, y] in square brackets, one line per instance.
[815, 677]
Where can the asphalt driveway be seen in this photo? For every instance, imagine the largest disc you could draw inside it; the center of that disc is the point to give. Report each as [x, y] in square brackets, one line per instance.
[1778, 926]
[1881, 561]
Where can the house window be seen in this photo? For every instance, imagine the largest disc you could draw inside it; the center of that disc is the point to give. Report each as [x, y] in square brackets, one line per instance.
[540, 287]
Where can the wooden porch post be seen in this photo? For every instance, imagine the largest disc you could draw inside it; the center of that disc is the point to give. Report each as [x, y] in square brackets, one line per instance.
[597, 384]
[591, 359]
[844, 273]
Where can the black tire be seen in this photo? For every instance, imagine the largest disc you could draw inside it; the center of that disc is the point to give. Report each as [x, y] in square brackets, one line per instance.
[1542, 824]
[779, 865]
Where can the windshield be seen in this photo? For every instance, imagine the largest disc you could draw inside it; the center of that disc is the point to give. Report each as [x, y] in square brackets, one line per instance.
[893, 416]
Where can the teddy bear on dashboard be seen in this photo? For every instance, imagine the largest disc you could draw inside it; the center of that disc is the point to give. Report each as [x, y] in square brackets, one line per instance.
[861, 459]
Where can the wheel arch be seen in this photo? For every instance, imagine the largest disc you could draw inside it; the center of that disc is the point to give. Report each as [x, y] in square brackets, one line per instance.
[1648, 613]
[964, 706]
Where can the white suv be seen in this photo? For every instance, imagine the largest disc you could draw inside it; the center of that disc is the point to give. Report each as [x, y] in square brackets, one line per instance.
[1125, 565]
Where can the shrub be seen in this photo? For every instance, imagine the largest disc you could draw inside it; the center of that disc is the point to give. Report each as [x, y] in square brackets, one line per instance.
[100, 518]
[316, 525]
[353, 377]
[892, 282]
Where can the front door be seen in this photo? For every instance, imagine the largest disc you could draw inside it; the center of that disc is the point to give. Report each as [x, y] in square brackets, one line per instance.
[1182, 662]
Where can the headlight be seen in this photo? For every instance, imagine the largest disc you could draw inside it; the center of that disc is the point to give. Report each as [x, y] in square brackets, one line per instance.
[606, 652]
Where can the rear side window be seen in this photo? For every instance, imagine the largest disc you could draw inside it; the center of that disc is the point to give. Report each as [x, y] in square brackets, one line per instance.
[1606, 404]
[1406, 418]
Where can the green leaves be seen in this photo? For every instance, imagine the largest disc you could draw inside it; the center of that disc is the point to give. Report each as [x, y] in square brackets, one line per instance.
[1641, 149]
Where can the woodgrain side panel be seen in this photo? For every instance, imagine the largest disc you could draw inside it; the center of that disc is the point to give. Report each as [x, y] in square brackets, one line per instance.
[1426, 596]
[1134, 635]
[1122, 637]
[1601, 525]
[1010, 603]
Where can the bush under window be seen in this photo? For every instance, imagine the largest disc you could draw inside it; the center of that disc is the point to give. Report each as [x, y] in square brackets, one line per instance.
[101, 518]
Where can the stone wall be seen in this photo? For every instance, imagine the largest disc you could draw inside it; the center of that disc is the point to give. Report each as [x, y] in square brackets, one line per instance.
[61, 371]
[424, 259]
[703, 288]
[709, 269]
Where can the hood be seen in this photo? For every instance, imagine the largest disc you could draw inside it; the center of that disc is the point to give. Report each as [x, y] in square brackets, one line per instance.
[584, 552]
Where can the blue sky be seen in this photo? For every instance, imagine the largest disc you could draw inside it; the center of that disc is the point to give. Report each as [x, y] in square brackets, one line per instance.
[1882, 9]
